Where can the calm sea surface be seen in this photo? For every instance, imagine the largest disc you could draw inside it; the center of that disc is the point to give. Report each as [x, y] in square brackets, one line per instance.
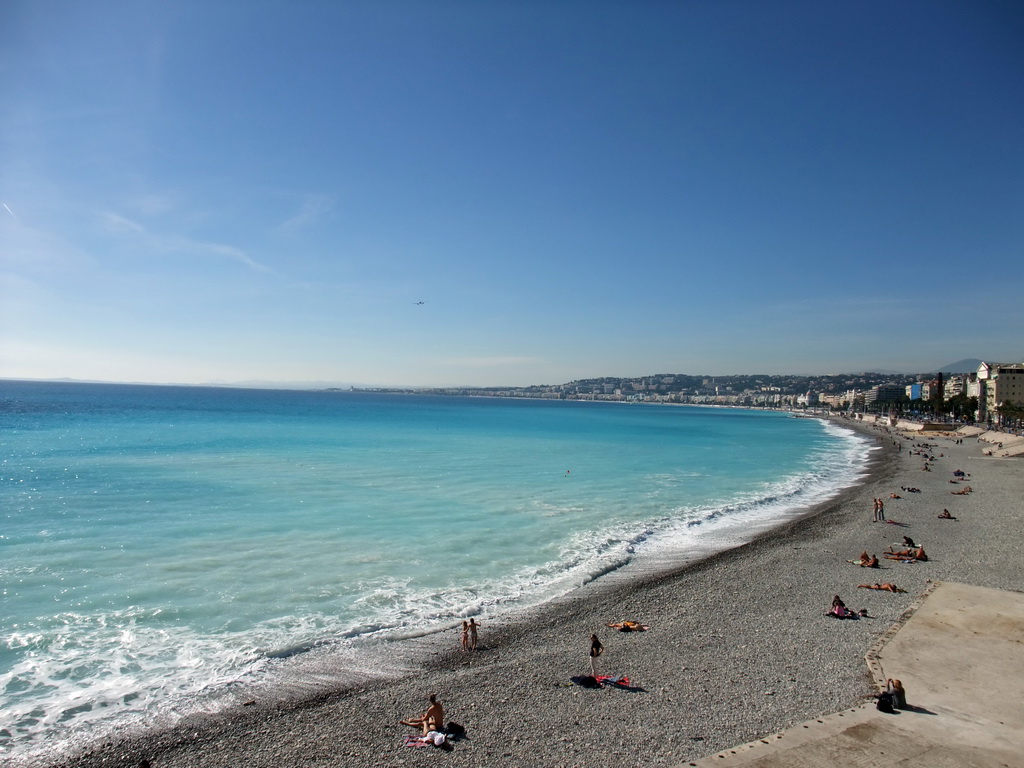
[159, 543]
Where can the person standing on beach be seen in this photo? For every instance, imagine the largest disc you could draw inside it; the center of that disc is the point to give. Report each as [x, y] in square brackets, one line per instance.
[596, 649]
[472, 634]
[465, 635]
[881, 511]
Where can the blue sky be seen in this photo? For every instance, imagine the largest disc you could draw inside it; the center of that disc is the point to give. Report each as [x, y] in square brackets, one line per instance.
[214, 191]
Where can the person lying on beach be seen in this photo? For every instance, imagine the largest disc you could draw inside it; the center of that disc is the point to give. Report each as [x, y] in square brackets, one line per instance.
[884, 587]
[628, 626]
[945, 515]
[865, 561]
[431, 720]
[429, 739]
[962, 492]
[895, 496]
[908, 555]
[896, 556]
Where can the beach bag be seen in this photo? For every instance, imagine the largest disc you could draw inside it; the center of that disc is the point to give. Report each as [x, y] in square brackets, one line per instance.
[884, 703]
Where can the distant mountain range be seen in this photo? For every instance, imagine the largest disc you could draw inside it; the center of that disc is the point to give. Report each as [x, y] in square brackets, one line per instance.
[967, 365]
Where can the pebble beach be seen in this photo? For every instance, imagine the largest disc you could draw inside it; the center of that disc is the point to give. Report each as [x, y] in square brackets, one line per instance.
[739, 644]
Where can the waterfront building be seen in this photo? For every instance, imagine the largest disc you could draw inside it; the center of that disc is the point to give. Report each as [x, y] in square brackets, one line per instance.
[887, 393]
[998, 383]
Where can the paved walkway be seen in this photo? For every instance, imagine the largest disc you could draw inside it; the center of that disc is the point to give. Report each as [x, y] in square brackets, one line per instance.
[961, 659]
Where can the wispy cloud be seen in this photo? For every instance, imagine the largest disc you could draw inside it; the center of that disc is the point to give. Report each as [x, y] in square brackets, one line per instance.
[121, 225]
[152, 204]
[215, 249]
[311, 209]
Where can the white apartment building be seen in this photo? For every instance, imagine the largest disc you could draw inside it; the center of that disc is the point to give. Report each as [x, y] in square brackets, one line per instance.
[954, 385]
[809, 398]
[998, 383]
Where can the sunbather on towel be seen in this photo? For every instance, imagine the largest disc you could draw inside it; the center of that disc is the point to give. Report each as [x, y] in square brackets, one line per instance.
[629, 626]
[885, 587]
[908, 555]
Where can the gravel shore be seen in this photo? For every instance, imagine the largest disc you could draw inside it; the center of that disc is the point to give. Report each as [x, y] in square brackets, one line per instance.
[739, 645]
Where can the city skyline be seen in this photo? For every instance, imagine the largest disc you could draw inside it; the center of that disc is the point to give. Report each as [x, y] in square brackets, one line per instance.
[454, 194]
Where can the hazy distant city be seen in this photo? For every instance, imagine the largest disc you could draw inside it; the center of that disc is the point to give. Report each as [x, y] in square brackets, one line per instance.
[991, 392]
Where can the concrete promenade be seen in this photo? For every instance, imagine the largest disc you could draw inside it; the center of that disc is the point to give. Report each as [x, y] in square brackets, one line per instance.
[960, 656]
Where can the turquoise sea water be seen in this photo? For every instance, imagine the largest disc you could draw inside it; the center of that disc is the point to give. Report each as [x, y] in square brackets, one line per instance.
[160, 542]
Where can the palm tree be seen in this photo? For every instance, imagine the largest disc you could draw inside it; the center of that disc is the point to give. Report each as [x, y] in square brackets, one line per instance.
[1010, 413]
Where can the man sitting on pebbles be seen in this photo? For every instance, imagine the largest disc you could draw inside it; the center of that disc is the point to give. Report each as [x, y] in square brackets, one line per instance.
[431, 720]
[866, 560]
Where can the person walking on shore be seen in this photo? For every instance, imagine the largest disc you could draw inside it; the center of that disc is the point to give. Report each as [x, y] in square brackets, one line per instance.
[596, 649]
